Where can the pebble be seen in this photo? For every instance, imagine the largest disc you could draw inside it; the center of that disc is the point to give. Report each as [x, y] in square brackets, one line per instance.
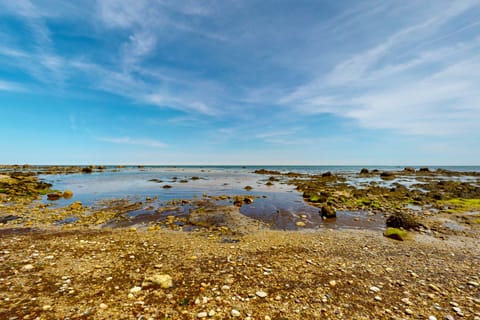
[473, 283]
[135, 289]
[46, 307]
[332, 283]
[300, 224]
[434, 287]
[225, 288]
[378, 298]
[211, 313]
[408, 311]
[28, 267]
[103, 306]
[235, 313]
[374, 289]
[261, 294]
[432, 318]
[162, 280]
[202, 314]
[458, 310]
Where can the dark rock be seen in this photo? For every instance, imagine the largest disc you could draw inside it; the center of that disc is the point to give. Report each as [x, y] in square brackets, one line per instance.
[269, 184]
[409, 169]
[8, 218]
[248, 188]
[402, 220]
[166, 186]
[87, 170]
[264, 171]
[327, 174]
[364, 171]
[54, 196]
[387, 175]
[424, 169]
[195, 178]
[328, 212]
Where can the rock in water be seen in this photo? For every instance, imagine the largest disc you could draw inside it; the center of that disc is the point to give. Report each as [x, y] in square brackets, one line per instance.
[328, 212]
[67, 194]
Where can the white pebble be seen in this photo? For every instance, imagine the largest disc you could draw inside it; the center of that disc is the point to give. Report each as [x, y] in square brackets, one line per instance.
[374, 289]
[235, 313]
[202, 314]
[261, 294]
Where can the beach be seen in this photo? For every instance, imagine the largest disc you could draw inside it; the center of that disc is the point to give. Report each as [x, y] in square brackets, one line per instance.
[224, 254]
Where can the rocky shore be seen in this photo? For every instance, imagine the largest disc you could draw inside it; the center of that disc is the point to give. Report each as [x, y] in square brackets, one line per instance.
[80, 262]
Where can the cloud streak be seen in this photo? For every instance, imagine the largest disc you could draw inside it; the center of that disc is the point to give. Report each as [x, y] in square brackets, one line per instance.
[144, 142]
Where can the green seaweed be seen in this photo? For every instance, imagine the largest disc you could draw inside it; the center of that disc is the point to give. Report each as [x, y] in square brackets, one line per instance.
[396, 233]
[461, 204]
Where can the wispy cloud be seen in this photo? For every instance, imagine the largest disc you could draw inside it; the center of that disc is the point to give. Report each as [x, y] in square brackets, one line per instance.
[11, 86]
[425, 92]
[151, 143]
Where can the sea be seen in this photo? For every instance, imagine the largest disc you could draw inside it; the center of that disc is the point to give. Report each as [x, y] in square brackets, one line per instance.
[280, 205]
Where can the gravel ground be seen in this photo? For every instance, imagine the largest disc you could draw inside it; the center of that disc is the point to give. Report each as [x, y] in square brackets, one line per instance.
[86, 273]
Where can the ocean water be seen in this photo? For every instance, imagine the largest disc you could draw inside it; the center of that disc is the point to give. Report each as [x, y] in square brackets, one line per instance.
[280, 204]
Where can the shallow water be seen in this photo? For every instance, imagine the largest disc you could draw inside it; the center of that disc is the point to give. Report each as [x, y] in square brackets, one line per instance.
[279, 205]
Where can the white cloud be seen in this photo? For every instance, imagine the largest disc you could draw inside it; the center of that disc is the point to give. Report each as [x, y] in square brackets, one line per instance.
[151, 143]
[10, 86]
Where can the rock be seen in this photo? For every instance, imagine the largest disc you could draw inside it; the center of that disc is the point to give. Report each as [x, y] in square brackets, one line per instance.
[458, 311]
[424, 169]
[378, 298]
[328, 212]
[261, 294]
[87, 170]
[54, 196]
[103, 306]
[46, 307]
[67, 194]
[395, 233]
[327, 174]
[409, 169]
[28, 267]
[432, 318]
[235, 313]
[166, 186]
[300, 224]
[402, 220]
[332, 283]
[202, 314]
[76, 205]
[387, 175]
[434, 287]
[135, 290]
[248, 188]
[374, 289]
[211, 313]
[408, 311]
[364, 171]
[248, 200]
[163, 281]
[473, 283]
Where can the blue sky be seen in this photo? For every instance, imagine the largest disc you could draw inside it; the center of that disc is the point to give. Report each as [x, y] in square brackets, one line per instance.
[240, 82]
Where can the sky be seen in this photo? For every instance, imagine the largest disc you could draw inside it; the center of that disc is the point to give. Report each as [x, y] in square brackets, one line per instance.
[318, 82]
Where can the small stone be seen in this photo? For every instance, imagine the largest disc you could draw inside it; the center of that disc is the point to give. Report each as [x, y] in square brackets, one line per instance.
[163, 281]
[300, 224]
[202, 314]
[408, 311]
[46, 307]
[103, 306]
[374, 289]
[235, 313]
[432, 318]
[28, 267]
[449, 317]
[135, 289]
[332, 283]
[458, 310]
[211, 313]
[267, 318]
[434, 287]
[378, 298]
[261, 294]
[473, 283]
[225, 288]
